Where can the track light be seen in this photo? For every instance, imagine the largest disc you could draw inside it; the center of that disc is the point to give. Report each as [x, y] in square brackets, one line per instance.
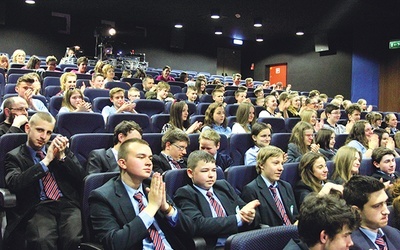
[30, 1]
[257, 22]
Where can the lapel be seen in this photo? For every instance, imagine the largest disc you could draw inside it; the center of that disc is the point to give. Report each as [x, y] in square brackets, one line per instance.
[387, 233]
[227, 201]
[165, 162]
[267, 195]
[124, 202]
[361, 240]
[204, 205]
[26, 157]
[112, 164]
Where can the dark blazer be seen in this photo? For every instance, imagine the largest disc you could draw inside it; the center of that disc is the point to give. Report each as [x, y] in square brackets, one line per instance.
[268, 212]
[6, 128]
[301, 190]
[22, 178]
[296, 244]
[378, 174]
[101, 160]
[195, 205]
[161, 164]
[116, 225]
[224, 161]
[293, 153]
[361, 241]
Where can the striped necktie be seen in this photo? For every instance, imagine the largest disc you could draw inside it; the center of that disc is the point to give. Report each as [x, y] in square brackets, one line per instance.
[154, 235]
[280, 206]
[216, 206]
[380, 242]
[50, 186]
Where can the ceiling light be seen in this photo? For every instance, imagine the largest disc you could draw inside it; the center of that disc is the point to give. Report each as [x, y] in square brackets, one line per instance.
[30, 1]
[215, 14]
[178, 25]
[238, 41]
[218, 31]
[259, 38]
[257, 22]
[300, 32]
[112, 32]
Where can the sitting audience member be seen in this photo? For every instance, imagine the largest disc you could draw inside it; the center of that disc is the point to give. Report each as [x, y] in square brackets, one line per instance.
[160, 92]
[127, 213]
[47, 182]
[271, 105]
[117, 97]
[18, 56]
[236, 79]
[68, 81]
[325, 222]
[209, 141]
[391, 123]
[367, 196]
[353, 114]
[363, 105]
[183, 77]
[200, 85]
[82, 63]
[294, 107]
[140, 73]
[24, 89]
[215, 119]
[73, 101]
[240, 96]
[245, 115]
[33, 63]
[106, 160]
[4, 64]
[332, 113]
[259, 93]
[15, 115]
[37, 86]
[310, 116]
[69, 56]
[179, 118]
[97, 81]
[347, 162]
[133, 94]
[249, 83]
[212, 204]
[363, 138]
[108, 73]
[397, 142]
[314, 178]
[147, 83]
[51, 63]
[261, 136]
[191, 94]
[384, 161]
[283, 104]
[301, 141]
[326, 141]
[375, 119]
[272, 192]
[218, 96]
[385, 140]
[173, 144]
[165, 77]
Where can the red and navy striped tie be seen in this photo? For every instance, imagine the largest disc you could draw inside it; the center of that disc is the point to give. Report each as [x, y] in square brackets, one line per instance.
[280, 206]
[50, 186]
[216, 206]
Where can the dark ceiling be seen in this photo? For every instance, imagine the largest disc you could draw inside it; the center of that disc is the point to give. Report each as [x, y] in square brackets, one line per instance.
[280, 18]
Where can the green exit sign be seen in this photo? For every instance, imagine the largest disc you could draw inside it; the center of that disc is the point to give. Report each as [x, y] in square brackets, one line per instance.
[394, 44]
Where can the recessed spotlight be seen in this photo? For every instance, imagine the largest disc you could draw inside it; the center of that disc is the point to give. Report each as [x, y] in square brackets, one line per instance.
[218, 31]
[238, 41]
[300, 32]
[30, 1]
[257, 22]
[259, 38]
[215, 14]
[178, 25]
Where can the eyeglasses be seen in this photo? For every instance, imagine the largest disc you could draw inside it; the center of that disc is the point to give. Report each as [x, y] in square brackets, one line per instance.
[19, 109]
[179, 147]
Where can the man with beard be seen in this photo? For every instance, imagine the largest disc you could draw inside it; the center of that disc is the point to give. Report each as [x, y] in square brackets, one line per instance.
[16, 115]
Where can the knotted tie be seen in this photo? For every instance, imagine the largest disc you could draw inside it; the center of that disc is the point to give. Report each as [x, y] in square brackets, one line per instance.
[380, 242]
[216, 206]
[280, 206]
[176, 163]
[50, 186]
[154, 235]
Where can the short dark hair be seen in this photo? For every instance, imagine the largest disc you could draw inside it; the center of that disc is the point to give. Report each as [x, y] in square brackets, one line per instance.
[379, 153]
[331, 107]
[353, 107]
[125, 127]
[358, 189]
[324, 213]
[199, 155]
[173, 135]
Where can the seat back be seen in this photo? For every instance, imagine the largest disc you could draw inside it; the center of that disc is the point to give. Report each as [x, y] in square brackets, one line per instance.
[291, 173]
[154, 140]
[93, 93]
[240, 176]
[158, 121]
[51, 91]
[239, 144]
[177, 178]
[149, 107]
[366, 167]
[271, 238]
[55, 105]
[281, 140]
[99, 103]
[82, 144]
[122, 85]
[201, 108]
[290, 123]
[340, 140]
[91, 182]
[131, 80]
[71, 123]
[51, 81]
[142, 119]
[9, 88]
[231, 109]
[278, 124]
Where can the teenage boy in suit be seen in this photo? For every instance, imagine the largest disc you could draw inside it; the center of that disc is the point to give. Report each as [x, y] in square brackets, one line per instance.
[105, 160]
[216, 210]
[128, 213]
[46, 181]
[173, 143]
[277, 202]
[367, 196]
[385, 163]
[209, 141]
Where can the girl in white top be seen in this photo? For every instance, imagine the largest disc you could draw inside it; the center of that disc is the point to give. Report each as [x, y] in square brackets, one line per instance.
[271, 105]
[244, 118]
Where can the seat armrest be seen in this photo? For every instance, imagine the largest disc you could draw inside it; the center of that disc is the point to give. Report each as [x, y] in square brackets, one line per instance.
[7, 199]
[90, 246]
[200, 243]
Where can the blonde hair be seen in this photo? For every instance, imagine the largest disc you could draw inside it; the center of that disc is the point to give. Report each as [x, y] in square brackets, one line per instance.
[265, 153]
